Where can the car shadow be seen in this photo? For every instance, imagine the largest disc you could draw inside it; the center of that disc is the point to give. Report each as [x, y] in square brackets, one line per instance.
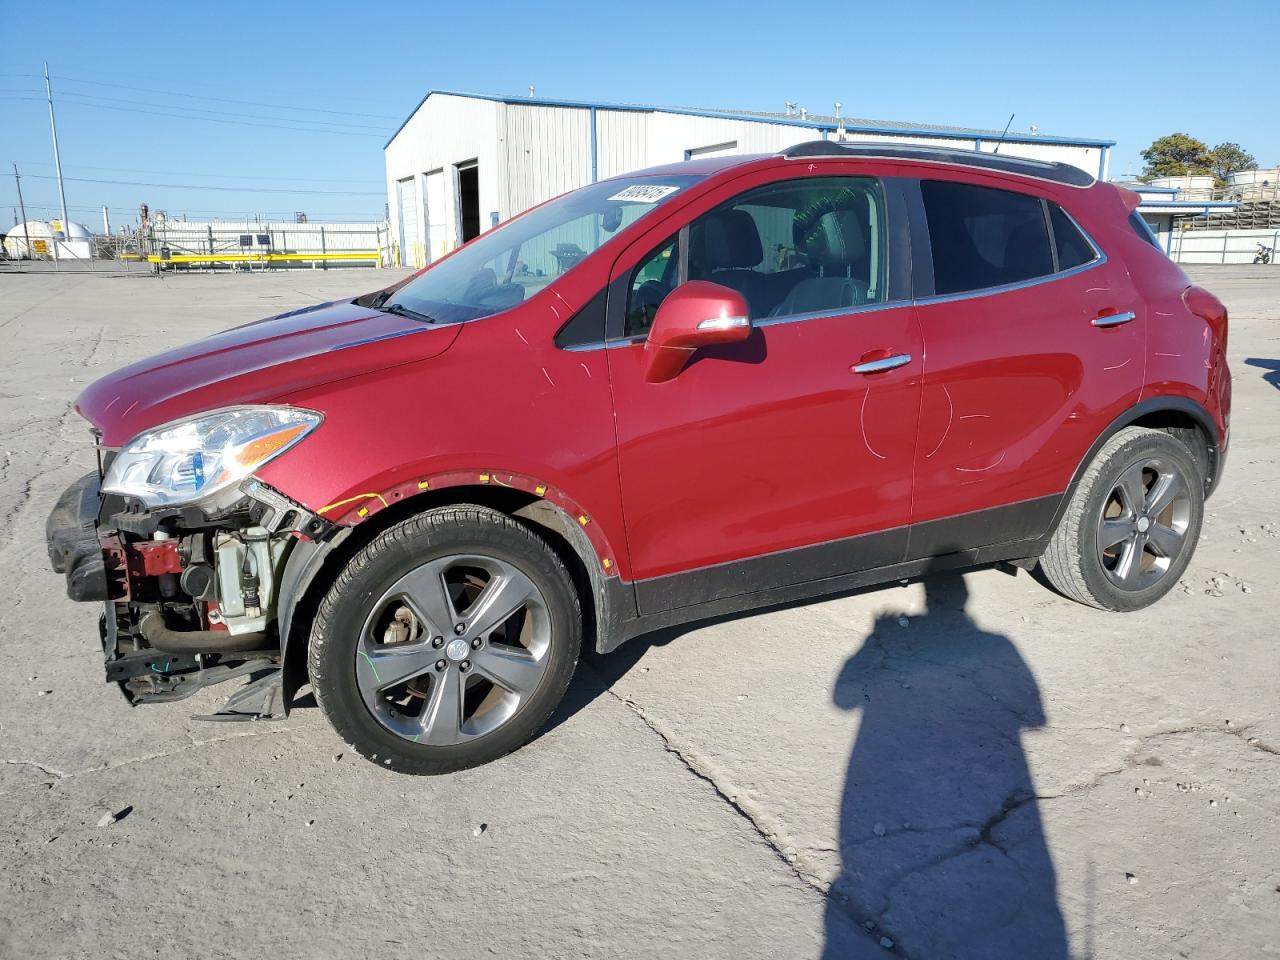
[1273, 377]
[941, 844]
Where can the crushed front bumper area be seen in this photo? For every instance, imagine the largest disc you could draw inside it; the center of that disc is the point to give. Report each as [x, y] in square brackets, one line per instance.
[147, 608]
[71, 533]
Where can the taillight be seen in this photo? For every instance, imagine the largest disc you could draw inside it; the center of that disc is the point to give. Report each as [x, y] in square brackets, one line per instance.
[1209, 309]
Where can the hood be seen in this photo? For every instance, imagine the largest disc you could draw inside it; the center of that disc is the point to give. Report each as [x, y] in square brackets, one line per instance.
[259, 362]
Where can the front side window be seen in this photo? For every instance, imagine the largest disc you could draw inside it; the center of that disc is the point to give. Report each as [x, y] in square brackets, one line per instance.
[812, 245]
[512, 262]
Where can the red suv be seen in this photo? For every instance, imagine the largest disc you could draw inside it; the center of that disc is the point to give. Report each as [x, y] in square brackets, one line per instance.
[702, 388]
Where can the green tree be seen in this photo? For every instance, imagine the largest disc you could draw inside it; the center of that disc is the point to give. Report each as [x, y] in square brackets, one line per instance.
[1175, 155]
[1228, 158]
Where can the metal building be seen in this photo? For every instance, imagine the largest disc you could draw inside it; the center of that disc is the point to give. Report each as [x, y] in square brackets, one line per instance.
[464, 162]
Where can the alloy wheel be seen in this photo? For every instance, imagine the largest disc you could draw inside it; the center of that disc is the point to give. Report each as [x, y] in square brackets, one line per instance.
[1143, 525]
[452, 649]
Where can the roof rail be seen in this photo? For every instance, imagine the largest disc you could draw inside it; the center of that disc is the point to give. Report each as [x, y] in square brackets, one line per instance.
[1041, 169]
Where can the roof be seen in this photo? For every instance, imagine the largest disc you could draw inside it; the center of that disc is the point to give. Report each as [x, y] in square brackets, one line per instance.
[812, 122]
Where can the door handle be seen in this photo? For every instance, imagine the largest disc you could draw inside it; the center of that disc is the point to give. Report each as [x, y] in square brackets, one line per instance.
[884, 363]
[1114, 319]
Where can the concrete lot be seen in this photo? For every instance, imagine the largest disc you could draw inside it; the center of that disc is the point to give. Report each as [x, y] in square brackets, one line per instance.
[972, 767]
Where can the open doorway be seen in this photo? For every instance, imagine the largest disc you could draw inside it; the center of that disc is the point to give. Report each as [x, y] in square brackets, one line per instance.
[468, 181]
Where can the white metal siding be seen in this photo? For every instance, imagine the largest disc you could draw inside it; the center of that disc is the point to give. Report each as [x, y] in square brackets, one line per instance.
[622, 142]
[548, 153]
[446, 130]
[528, 153]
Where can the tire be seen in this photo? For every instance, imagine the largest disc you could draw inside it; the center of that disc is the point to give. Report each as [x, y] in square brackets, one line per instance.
[1143, 493]
[398, 679]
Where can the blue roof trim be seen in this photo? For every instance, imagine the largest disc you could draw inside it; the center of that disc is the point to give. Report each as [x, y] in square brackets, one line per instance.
[958, 133]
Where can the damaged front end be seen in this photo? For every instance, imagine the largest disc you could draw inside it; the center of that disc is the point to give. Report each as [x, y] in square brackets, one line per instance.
[190, 580]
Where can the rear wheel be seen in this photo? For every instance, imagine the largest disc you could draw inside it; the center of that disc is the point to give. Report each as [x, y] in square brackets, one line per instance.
[446, 642]
[1132, 523]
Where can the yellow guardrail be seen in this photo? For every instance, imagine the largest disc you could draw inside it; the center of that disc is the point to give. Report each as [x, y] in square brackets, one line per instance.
[264, 257]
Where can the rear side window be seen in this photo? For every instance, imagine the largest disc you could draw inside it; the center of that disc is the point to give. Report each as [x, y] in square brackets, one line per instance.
[983, 237]
[1072, 248]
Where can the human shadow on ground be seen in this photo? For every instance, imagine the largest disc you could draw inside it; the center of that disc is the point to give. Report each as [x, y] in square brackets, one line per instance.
[940, 839]
[941, 844]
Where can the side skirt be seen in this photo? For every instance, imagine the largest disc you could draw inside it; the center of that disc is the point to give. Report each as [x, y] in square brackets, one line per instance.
[1021, 532]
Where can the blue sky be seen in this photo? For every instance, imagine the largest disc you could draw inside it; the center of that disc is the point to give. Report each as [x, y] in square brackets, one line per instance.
[127, 79]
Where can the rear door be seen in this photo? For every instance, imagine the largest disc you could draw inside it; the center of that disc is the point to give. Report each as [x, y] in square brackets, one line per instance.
[1034, 343]
[778, 443]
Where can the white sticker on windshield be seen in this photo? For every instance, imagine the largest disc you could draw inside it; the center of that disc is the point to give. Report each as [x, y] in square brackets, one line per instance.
[644, 193]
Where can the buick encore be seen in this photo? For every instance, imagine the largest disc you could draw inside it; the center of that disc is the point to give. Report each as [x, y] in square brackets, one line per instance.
[690, 391]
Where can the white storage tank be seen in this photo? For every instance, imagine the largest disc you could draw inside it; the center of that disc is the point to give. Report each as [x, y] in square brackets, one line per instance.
[75, 242]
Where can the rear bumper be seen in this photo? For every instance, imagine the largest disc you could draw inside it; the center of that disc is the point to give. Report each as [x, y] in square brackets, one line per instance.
[71, 534]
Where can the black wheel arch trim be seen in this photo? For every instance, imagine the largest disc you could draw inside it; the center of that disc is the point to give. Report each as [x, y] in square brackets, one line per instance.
[1163, 404]
[1151, 405]
[307, 569]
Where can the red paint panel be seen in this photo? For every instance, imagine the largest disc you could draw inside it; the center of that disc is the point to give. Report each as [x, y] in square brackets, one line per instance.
[1018, 385]
[769, 444]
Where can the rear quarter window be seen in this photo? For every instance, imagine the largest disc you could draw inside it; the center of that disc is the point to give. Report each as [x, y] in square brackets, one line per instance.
[1072, 248]
[1143, 230]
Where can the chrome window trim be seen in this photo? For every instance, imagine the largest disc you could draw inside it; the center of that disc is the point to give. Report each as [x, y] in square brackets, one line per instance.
[1100, 258]
[1006, 288]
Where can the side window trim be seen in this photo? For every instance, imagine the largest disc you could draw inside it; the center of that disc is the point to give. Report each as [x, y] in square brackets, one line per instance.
[1053, 240]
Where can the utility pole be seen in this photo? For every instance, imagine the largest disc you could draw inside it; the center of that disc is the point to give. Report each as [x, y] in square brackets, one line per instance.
[57, 163]
[17, 180]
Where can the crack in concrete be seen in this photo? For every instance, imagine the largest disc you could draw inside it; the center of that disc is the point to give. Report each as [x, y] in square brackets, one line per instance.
[62, 775]
[47, 770]
[866, 919]
[759, 820]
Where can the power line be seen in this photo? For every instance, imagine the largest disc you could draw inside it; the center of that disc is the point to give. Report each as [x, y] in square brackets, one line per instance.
[190, 96]
[197, 186]
[224, 113]
[179, 116]
[195, 173]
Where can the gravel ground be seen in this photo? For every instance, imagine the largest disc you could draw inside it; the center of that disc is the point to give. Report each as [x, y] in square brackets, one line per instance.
[967, 767]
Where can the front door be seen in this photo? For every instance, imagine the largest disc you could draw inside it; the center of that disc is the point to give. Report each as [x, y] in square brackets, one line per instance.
[801, 437]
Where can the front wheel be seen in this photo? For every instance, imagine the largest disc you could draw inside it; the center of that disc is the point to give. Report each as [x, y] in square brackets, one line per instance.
[446, 642]
[1132, 524]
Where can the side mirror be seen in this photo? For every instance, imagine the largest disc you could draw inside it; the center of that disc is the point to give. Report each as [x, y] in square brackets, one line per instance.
[695, 314]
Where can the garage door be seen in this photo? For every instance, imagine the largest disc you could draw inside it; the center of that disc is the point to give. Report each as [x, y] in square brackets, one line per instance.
[437, 238]
[410, 246]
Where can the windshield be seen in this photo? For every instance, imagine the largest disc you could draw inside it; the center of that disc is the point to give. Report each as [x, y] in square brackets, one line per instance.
[511, 263]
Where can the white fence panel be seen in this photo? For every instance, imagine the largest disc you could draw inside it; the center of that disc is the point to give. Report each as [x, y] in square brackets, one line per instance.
[1222, 246]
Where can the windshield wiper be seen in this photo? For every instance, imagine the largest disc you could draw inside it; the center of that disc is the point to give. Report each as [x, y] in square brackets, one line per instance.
[400, 310]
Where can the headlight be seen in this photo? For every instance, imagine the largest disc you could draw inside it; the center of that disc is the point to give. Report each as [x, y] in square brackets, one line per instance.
[194, 458]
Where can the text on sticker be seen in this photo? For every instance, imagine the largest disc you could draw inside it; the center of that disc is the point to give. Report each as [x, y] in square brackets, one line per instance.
[644, 193]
